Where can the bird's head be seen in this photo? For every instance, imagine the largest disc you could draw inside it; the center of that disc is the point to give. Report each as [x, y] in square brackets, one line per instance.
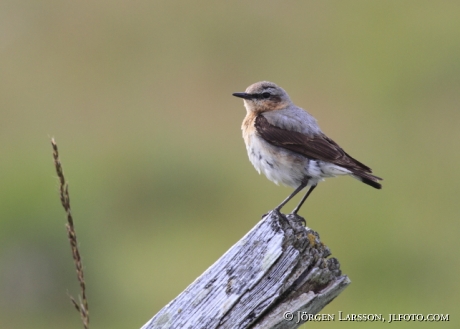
[264, 96]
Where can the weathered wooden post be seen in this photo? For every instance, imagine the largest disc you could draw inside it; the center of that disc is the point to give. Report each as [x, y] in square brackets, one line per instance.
[280, 266]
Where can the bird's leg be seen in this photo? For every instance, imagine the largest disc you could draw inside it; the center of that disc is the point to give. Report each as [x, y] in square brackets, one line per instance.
[294, 212]
[297, 190]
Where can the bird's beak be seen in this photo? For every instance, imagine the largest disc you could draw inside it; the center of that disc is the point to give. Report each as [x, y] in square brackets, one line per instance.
[242, 95]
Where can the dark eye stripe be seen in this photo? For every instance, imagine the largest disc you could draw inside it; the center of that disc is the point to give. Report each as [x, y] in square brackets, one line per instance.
[264, 95]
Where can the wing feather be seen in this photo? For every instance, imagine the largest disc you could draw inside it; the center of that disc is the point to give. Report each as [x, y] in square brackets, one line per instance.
[318, 147]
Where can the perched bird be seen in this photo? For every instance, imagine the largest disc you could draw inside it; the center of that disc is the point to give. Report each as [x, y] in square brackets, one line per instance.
[286, 144]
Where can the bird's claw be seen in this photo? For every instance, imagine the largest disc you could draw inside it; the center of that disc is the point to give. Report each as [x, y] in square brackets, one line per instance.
[298, 218]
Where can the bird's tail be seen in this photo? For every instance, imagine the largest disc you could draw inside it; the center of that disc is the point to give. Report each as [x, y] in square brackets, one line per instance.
[368, 179]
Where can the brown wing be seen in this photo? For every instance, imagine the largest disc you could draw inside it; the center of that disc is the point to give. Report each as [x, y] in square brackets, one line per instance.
[318, 147]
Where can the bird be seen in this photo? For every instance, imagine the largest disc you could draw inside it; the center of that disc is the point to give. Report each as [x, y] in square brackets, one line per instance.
[285, 143]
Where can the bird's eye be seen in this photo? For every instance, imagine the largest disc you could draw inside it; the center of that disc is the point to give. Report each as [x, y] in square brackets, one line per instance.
[266, 95]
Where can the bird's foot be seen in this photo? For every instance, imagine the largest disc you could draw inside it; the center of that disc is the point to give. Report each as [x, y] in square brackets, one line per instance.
[276, 211]
[295, 216]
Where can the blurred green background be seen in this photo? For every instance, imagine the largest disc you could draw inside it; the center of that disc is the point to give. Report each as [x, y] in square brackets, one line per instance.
[138, 97]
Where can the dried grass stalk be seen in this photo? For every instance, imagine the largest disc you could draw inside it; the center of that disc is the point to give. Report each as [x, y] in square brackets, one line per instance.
[82, 305]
